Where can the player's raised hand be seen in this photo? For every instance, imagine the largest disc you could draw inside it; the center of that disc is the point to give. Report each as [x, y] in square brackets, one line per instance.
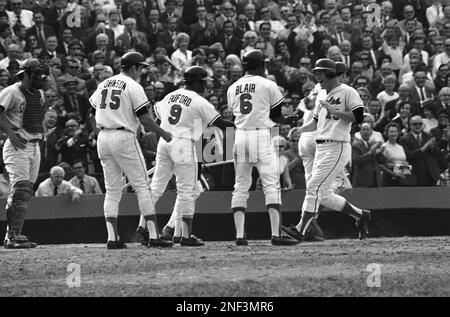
[17, 141]
[76, 197]
[328, 106]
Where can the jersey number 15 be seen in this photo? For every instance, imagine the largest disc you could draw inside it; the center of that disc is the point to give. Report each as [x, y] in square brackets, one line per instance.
[115, 100]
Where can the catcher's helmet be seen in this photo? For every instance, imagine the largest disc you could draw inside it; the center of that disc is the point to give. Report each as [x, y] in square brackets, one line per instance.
[341, 68]
[133, 58]
[31, 65]
[252, 59]
[325, 64]
[194, 73]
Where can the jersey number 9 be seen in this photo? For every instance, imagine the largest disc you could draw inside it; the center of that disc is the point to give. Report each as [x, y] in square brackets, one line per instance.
[246, 105]
[175, 114]
[115, 100]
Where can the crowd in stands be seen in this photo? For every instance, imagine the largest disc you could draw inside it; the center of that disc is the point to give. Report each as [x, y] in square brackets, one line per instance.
[397, 53]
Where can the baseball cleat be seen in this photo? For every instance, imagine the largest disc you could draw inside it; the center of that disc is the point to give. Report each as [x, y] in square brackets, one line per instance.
[314, 233]
[176, 240]
[283, 240]
[159, 243]
[115, 245]
[193, 241]
[167, 233]
[19, 242]
[142, 236]
[293, 233]
[363, 224]
[241, 242]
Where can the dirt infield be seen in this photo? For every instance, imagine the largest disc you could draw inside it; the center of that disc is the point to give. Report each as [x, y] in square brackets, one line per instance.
[407, 267]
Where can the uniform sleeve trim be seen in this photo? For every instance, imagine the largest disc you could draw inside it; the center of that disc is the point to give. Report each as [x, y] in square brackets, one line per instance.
[214, 119]
[142, 105]
[277, 103]
[356, 107]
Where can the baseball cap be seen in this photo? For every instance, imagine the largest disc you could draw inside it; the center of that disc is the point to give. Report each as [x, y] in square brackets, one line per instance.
[30, 65]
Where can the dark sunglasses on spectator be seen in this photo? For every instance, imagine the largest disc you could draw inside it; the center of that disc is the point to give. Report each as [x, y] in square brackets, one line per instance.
[417, 123]
[75, 67]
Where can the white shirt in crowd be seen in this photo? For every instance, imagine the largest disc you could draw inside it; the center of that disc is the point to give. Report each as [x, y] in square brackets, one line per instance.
[47, 188]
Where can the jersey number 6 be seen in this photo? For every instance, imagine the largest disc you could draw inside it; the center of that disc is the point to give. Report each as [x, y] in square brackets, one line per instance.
[115, 100]
[246, 105]
[175, 114]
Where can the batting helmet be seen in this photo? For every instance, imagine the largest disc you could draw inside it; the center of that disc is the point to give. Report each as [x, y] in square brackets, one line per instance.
[31, 65]
[133, 58]
[194, 73]
[325, 64]
[252, 59]
[341, 68]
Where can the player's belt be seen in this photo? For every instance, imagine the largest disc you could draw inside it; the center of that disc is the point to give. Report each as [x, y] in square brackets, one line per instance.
[119, 128]
[324, 141]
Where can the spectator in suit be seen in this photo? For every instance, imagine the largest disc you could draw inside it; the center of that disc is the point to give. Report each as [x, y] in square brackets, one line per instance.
[227, 12]
[422, 153]
[444, 177]
[66, 38]
[365, 157]
[55, 185]
[40, 29]
[169, 13]
[419, 94]
[73, 143]
[91, 84]
[167, 37]
[88, 184]
[132, 39]
[205, 35]
[230, 41]
[73, 102]
[441, 77]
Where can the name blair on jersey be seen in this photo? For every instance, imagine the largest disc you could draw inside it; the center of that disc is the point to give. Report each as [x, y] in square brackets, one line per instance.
[246, 89]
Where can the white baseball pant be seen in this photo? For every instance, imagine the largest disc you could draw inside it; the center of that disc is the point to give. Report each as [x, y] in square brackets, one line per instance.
[119, 152]
[255, 148]
[307, 152]
[178, 157]
[329, 161]
[21, 164]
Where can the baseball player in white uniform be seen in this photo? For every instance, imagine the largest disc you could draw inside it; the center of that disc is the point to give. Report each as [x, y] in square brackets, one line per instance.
[307, 142]
[185, 114]
[332, 121]
[21, 115]
[255, 100]
[120, 105]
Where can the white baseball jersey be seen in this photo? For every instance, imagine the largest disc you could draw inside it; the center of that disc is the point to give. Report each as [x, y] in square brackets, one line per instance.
[329, 127]
[185, 114]
[316, 95]
[251, 99]
[116, 101]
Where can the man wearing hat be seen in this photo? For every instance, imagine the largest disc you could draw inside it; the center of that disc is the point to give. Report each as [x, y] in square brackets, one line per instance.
[74, 102]
[21, 115]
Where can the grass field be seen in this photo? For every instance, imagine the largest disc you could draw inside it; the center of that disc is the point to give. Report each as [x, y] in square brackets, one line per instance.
[408, 267]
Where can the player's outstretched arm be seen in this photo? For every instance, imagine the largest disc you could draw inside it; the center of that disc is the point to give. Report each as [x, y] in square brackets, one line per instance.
[222, 124]
[150, 125]
[309, 126]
